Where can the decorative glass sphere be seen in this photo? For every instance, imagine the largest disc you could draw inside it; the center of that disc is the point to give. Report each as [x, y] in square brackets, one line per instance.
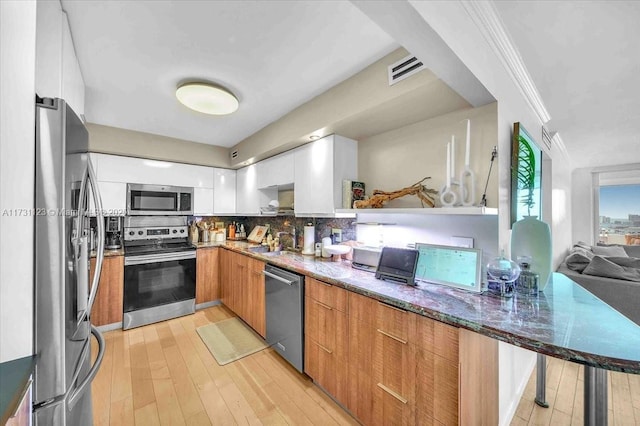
[503, 269]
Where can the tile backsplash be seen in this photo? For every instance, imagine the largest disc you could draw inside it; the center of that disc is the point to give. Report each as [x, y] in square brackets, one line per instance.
[323, 226]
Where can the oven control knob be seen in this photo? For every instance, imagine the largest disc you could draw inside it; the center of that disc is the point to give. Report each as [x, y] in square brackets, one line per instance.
[140, 232]
[182, 231]
[175, 231]
[131, 233]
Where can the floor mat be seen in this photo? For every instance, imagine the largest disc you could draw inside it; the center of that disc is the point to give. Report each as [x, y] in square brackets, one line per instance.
[230, 340]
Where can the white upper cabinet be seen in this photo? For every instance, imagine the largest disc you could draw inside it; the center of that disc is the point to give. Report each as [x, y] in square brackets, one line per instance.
[114, 172]
[320, 167]
[72, 81]
[249, 198]
[49, 49]
[203, 201]
[224, 191]
[276, 171]
[58, 72]
[116, 168]
[201, 178]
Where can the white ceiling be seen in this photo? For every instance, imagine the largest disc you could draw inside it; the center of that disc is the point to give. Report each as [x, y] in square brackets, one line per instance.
[274, 55]
[584, 58]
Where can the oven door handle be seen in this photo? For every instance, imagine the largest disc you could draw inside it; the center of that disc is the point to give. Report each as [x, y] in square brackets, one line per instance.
[155, 258]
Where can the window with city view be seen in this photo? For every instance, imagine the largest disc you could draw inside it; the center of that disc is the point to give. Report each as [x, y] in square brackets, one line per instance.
[619, 212]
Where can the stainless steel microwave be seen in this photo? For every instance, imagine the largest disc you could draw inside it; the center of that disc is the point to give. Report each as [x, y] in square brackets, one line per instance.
[159, 200]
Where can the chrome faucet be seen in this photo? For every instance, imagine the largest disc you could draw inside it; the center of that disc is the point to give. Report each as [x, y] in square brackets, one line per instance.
[292, 234]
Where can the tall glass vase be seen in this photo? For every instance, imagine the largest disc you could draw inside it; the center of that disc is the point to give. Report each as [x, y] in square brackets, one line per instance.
[532, 237]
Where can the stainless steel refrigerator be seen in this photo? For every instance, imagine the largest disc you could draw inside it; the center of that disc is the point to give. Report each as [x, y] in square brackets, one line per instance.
[64, 292]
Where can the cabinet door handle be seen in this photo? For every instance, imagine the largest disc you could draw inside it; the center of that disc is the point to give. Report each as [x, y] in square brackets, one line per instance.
[392, 393]
[323, 348]
[404, 342]
[323, 305]
[392, 307]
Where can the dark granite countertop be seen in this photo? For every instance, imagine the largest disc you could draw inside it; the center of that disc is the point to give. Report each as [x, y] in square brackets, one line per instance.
[14, 379]
[564, 321]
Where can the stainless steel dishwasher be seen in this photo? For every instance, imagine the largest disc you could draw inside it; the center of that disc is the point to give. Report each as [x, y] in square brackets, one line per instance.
[285, 314]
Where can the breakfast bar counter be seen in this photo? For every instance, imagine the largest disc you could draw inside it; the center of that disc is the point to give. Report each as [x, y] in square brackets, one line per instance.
[564, 321]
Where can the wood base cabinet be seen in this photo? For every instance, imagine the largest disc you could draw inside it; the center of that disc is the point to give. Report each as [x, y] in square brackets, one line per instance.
[107, 308]
[326, 337]
[255, 314]
[242, 288]
[207, 275]
[409, 369]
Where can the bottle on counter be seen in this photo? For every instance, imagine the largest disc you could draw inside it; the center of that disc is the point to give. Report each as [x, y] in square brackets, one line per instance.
[232, 231]
[243, 234]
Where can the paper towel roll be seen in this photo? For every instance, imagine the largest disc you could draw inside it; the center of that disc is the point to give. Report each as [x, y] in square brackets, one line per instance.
[309, 239]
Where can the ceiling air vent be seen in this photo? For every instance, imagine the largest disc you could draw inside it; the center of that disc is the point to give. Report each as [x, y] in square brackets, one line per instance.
[546, 138]
[234, 154]
[404, 68]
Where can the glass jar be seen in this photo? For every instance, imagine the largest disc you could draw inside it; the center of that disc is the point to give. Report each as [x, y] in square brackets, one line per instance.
[502, 273]
[527, 283]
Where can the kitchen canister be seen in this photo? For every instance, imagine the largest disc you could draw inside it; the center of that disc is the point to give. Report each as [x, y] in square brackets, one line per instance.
[309, 239]
[532, 237]
[326, 241]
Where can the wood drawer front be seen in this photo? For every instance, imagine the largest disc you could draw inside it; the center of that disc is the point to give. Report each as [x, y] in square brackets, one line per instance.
[395, 323]
[360, 398]
[331, 296]
[362, 308]
[436, 389]
[326, 326]
[393, 379]
[326, 368]
[437, 337]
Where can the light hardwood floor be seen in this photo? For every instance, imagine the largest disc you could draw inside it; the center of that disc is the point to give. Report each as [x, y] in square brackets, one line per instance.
[164, 374]
[565, 381]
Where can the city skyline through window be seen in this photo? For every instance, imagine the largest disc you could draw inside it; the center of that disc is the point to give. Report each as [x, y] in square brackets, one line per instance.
[619, 212]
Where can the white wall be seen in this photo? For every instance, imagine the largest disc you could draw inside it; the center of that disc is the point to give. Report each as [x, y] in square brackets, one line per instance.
[431, 229]
[420, 150]
[582, 206]
[17, 162]
[456, 27]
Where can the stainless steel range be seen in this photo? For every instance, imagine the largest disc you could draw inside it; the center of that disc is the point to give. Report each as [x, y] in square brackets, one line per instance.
[159, 270]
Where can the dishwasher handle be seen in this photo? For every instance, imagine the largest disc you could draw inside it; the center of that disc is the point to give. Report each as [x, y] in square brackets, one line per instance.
[279, 278]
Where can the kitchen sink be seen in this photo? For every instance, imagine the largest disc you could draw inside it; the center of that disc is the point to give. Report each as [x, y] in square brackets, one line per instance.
[258, 249]
[264, 250]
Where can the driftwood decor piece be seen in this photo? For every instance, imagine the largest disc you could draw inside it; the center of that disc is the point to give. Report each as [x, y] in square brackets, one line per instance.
[380, 197]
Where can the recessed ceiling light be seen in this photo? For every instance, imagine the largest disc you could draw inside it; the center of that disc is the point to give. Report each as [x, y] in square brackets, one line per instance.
[207, 98]
[314, 137]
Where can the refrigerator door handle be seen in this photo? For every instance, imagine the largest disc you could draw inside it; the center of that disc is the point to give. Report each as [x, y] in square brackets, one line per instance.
[81, 254]
[74, 396]
[97, 201]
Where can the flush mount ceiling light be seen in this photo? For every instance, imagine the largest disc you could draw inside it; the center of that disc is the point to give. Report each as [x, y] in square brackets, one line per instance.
[207, 98]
